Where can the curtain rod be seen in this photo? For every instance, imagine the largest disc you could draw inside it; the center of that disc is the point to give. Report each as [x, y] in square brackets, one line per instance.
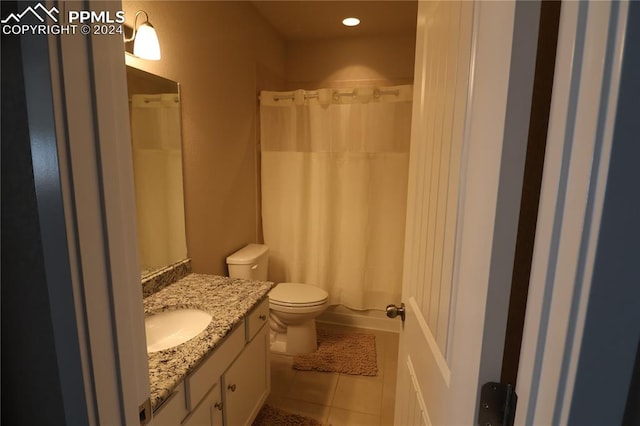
[155, 98]
[336, 94]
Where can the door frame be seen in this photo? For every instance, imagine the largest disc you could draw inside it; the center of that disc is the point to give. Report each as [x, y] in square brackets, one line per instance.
[583, 111]
[87, 124]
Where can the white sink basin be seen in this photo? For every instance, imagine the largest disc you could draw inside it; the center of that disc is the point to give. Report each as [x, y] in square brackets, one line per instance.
[171, 328]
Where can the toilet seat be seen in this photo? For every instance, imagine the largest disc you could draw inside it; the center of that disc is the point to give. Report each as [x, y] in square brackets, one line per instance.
[291, 295]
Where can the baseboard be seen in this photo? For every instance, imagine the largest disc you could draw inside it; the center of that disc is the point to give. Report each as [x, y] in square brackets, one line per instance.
[372, 320]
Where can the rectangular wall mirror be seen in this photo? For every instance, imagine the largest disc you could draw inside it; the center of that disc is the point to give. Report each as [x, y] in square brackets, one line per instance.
[156, 144]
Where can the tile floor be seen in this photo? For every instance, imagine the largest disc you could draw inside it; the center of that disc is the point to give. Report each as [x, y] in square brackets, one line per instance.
[339, 399]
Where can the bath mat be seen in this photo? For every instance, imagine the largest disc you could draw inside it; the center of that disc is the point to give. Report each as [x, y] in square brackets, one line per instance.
[347, 353]
[273, 416]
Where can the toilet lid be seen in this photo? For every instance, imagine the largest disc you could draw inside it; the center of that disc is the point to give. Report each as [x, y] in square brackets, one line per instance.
[297, 294]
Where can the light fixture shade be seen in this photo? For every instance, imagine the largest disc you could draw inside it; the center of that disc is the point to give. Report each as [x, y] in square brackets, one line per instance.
[350, 22]
[146, 43]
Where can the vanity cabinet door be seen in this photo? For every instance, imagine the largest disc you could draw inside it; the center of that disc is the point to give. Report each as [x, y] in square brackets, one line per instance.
[247, 383]
[207, 413]
[198, 383]
[216, 413]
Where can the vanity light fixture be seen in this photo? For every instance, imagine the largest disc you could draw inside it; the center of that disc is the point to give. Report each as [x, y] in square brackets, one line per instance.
[145, 39]
[350, 22]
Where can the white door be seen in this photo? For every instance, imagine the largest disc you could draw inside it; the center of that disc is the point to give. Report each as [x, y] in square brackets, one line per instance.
[472, 95]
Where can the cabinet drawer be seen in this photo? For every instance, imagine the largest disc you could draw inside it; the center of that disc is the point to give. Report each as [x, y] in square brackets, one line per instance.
[198, 383]
[172, 410]
[257, 318]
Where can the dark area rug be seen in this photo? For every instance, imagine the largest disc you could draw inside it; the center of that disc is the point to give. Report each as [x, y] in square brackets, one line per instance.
[273, 416]
[347, 353]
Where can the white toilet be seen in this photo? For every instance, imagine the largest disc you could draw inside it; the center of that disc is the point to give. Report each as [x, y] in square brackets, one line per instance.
[293, 306]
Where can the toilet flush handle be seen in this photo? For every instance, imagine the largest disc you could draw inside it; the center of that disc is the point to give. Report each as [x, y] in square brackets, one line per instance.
[254, 267]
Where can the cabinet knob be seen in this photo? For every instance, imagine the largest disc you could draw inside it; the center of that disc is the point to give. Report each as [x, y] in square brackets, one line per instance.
[218, 405]
[263, 317]
[232, 388]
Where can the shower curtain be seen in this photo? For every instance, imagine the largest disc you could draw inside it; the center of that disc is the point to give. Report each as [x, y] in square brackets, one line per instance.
[334, 188]
[157, 166]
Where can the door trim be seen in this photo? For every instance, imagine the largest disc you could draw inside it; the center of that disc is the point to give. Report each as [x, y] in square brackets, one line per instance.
[590, 45]
[93, 142]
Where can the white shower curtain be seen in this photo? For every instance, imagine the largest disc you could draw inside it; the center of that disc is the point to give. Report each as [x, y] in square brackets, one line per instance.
[334, 187]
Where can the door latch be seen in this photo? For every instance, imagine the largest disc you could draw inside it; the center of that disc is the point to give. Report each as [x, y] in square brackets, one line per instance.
[497, 404]
[393, 311]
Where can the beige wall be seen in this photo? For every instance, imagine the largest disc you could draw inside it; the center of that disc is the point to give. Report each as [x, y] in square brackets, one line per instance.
[385, 60]
[218, 52]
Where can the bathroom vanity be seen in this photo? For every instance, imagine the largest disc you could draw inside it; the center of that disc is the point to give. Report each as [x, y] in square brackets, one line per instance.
[221, 376]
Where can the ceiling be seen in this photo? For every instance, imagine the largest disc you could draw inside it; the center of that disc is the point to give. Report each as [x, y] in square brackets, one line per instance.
[320, 19]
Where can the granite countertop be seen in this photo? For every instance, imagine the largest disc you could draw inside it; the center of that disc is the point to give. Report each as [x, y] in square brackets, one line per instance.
[228, 300]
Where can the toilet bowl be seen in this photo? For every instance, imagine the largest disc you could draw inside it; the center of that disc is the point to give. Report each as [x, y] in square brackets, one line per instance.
[293, 306]
[293, 309]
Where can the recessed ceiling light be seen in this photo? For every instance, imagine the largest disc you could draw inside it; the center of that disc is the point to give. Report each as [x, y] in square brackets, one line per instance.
[350, 22]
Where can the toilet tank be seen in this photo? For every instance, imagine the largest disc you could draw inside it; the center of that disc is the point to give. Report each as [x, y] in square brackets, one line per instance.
[250, 262]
